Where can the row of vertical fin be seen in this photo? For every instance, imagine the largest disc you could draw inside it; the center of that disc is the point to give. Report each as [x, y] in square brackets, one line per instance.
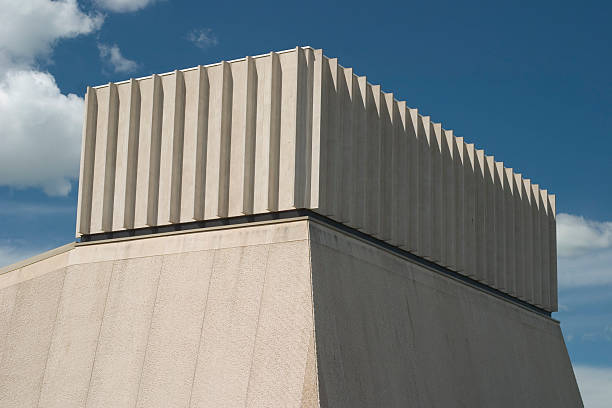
[295, 129]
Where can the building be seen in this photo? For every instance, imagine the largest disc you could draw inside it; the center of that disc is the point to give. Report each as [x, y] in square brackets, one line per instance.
[276, 231]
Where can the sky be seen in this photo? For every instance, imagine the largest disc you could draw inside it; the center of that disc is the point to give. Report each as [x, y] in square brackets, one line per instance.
[528, 81]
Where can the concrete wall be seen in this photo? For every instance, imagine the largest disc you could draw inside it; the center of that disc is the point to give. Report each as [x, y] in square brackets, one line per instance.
[215, 319]
[390, 333]
[295, 129]
[289, 313]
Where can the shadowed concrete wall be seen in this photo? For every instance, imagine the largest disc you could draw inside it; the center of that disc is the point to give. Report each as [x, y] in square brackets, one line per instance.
[214, 319]
[295, 129]
[289, 313]
[390, 333]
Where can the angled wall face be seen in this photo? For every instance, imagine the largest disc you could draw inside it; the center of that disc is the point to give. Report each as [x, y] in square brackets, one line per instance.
[295, 129]
[292, 313]
[210, 319]
[392, 333]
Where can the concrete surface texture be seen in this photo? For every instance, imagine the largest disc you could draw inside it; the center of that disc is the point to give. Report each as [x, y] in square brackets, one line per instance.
[214, 319]
[295, 129]
[292, 313]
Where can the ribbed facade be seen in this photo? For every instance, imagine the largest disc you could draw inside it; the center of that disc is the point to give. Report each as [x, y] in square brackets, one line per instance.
[294, 129]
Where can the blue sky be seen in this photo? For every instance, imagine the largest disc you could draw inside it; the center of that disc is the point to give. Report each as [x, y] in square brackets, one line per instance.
[528, 81]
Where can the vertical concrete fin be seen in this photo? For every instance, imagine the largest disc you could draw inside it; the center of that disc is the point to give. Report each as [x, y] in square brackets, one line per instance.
[249, 136]
[155, 156]
[238, 138]
[519, 242]
[274, 135]
[121, 160]
[288, 146]
[373, 170]
[491, 240]
[303, 129]
[385, 162]
[111, 158]
[219, 140]
[450, 198]
[317, 178]
[345, 89]
[333, 140]
[201, 143]
[88, 148]
[359, 153]
[225, 142]
[177, 148]
[307, 110]
[132, 155]
[413, 178]
[481, 230]
[438, 207]
[500, 226]
[545, 270]
[400, 174]
[509, 230]
[403, 175]
[190, 131]
[469, 219]
[528, 240]
[425, 190]
[262, 134]
[458, 159]
[145, 89]
[166, 160]
[99, 170]
[537, 245]
[552, 239]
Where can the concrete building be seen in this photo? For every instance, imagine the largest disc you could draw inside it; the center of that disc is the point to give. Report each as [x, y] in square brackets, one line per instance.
[277, 231]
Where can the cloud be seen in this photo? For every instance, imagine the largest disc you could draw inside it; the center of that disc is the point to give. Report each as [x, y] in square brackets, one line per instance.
[595, 385]
[123, 6]
[576, 235]
[112, 55]
[202, 38]
[40, 133]
[30, 28]
[41, 127]
[585, 251]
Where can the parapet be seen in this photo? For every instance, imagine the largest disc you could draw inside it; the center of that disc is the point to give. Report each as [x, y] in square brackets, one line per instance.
[295, 130]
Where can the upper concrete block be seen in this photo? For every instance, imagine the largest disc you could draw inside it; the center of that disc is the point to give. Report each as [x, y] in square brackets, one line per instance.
[295, 129]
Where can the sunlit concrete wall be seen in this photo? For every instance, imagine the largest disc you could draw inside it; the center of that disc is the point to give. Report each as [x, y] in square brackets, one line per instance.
[214, 319]
[295, 129]
[283, 314]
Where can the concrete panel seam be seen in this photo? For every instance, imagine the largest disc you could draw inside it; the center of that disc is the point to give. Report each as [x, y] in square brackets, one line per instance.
[93, 364]
[195, 366]
[263, 287]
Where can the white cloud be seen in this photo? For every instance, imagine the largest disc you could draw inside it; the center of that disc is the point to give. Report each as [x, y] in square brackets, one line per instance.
[595, 385]
[123, 6]
[40, 132]
[30, 28]
[585, 251]
[577, 235]
[111, 54]
[591, 269]
[202, 38]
